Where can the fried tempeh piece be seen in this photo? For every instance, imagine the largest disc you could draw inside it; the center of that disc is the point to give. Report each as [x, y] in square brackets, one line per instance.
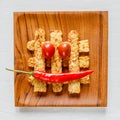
[74, 86]
[85, 80]
[84, 61]
[56, 61]
[30, 45]
[38, 61]
[83, 46]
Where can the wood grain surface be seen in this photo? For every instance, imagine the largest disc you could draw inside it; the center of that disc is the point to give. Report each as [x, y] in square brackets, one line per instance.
[90, 25]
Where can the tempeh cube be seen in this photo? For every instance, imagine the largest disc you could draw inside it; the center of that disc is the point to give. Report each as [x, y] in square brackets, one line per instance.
[56, 61]
[37, 86]
[85, 80]
[39, 60]
[31, 62]
[74, 86]
[30, 45]
[83, 46]
[84, 61]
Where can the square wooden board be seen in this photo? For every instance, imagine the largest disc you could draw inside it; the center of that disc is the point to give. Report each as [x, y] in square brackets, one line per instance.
[91, 25]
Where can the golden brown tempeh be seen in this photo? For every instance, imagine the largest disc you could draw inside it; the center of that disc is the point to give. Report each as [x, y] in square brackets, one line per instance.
[30, 45]
[74, 86]
[83, 46]
[38, 61]
[85, 80]
[84, 61]
[56, 61]
[31, 62]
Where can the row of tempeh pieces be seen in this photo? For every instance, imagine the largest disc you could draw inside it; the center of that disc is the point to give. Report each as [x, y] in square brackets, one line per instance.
[75, 61]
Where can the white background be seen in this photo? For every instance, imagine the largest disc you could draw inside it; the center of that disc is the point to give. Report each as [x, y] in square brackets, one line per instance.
[7, 109]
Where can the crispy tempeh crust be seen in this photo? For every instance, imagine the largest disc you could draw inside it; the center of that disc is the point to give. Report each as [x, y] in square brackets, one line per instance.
[74, 86]
[83, 46]
[38, 61]
[56, 61]
[85, 80]
[84, 61]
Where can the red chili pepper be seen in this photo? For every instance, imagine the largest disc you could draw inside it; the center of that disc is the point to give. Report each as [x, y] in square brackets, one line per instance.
[55, 78]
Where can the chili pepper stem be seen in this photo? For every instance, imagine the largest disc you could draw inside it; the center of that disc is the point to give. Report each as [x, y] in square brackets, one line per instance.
[19, 71]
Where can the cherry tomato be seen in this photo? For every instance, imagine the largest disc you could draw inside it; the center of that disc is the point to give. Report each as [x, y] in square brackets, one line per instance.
[64, 49]
[48, 50]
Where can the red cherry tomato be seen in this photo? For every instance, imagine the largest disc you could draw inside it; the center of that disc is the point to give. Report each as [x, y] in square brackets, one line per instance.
[48, 50]
[64, 49]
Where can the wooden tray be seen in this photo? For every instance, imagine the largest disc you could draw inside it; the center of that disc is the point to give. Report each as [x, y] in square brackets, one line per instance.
[90, 25]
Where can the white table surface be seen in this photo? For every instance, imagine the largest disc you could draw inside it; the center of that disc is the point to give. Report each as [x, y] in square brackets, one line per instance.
[7, 109]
